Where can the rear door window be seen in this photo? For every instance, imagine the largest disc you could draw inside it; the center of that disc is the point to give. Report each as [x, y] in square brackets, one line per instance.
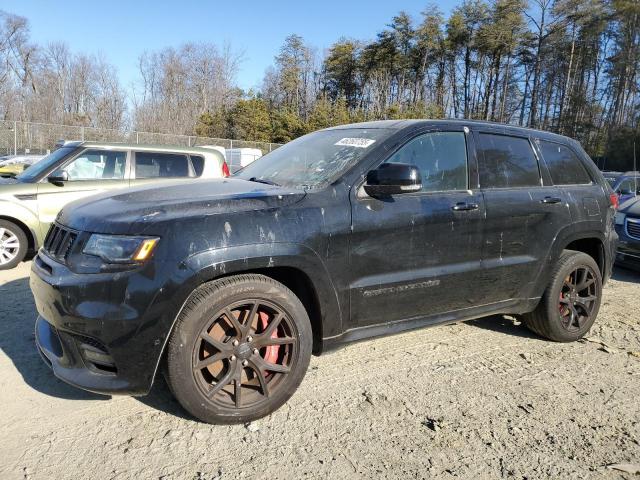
[505, 162]
[441, 158]
[161, 165]
[564, 166]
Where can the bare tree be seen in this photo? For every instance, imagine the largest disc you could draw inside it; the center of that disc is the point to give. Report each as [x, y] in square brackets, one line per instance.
[178, 85]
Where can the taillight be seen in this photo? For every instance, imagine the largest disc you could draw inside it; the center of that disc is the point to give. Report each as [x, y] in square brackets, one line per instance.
[615, 201]
[225, 169]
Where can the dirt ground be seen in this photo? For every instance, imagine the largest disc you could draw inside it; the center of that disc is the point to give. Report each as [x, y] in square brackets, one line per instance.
[482, 399]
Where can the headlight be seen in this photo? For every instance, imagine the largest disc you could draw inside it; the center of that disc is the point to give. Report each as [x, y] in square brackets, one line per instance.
[620, 218]
[120, 249]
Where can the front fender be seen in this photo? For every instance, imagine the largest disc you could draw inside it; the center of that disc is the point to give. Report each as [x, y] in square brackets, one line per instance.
[214, 263]
[24, 215]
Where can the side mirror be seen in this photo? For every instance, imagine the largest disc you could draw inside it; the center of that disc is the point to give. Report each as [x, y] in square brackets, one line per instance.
[58, 177]
[393, 179]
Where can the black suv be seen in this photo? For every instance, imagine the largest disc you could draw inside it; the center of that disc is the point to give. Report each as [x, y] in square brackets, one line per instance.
[228, 286]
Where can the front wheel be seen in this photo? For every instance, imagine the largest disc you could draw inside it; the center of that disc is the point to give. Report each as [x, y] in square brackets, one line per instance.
[239, 350]
[571, 302]
[13, 245]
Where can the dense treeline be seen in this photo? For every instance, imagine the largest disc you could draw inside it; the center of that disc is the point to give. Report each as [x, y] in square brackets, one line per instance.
[569, 66]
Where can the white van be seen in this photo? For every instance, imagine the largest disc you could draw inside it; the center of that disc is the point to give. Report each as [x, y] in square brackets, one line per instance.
[238, 158]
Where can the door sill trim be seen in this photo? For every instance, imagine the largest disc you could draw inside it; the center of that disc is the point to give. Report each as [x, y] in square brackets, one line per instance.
[398, 326]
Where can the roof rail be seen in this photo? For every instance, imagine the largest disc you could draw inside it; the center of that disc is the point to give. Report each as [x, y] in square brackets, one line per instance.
[62, 142]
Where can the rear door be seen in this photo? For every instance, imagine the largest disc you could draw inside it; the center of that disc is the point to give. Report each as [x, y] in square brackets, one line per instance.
[586, 198]
[523, 214]
[91, 171]
[154, 167]
[415, 254]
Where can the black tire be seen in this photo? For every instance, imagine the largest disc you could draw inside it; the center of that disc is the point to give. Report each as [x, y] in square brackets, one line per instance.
[203, 320]
[566, 313]
[10, 235]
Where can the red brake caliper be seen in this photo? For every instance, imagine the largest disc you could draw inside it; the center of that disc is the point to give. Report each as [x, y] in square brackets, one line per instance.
[271, 355]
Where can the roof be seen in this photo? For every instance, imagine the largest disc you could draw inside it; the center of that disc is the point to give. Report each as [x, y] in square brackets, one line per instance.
[140, 146]
[401, 124]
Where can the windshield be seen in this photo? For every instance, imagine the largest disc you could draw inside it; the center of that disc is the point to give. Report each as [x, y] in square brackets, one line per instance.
[45, 164]
[315, 160]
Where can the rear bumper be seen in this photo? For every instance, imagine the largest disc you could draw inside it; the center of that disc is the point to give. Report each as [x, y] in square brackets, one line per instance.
[103, 332]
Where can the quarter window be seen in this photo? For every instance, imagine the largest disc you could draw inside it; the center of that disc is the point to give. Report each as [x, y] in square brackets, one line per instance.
[198, 164]
[506, 162]
[441, 158]
[97, 165]
[161, 165]
[564, 166]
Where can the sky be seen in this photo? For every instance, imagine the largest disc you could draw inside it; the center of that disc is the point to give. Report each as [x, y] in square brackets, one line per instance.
[121, 31]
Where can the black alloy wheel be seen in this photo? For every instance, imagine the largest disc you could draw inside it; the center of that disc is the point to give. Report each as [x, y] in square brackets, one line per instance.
[243, 353]
[570, 304]
[578, 298]
[239, 349]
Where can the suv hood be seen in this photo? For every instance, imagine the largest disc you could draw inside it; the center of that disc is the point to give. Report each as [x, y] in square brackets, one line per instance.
[631, 207]
[136, 210]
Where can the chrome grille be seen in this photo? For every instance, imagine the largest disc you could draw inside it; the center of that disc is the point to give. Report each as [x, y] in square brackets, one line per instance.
[633, 227]
[59, 241]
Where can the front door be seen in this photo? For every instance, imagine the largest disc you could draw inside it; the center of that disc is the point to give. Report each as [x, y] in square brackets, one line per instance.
[90, 172]
[414, 255]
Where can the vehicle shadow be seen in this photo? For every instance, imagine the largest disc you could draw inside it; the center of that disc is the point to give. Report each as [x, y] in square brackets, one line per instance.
[623, 274]
[161, 398]
[504, 324]
[17, 342]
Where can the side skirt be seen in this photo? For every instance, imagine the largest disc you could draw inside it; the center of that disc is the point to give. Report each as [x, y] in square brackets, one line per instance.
[512, 306]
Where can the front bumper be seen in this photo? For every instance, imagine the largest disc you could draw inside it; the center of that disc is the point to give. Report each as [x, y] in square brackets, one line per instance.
[65, 356]
[104, 332]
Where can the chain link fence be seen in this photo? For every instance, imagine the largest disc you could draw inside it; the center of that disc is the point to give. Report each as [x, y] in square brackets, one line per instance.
[41, 138]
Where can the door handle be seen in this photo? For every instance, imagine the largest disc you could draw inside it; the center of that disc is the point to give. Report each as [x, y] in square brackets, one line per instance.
[551, 200]
[464, 207]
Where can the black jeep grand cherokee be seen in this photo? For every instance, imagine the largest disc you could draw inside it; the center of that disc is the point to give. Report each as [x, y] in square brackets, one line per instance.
[352, 232]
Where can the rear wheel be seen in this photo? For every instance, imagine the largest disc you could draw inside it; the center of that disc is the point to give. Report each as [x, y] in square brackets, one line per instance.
[13, 245]
[239, 350]
[571, 302]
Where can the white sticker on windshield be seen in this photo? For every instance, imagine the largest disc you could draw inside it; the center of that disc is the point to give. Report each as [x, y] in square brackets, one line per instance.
[355, 142]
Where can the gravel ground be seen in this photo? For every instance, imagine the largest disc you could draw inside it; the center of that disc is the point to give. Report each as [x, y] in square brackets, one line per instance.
[482, 399]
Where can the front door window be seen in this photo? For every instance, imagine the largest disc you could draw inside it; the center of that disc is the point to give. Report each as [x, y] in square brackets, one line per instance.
[97, 165]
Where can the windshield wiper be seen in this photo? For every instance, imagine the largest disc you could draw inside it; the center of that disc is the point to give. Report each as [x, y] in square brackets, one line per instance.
[262, 180]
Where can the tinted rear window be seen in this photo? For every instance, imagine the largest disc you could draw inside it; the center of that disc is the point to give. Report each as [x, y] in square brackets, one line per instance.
[161, 165]
[506, 161]
[564, 166]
